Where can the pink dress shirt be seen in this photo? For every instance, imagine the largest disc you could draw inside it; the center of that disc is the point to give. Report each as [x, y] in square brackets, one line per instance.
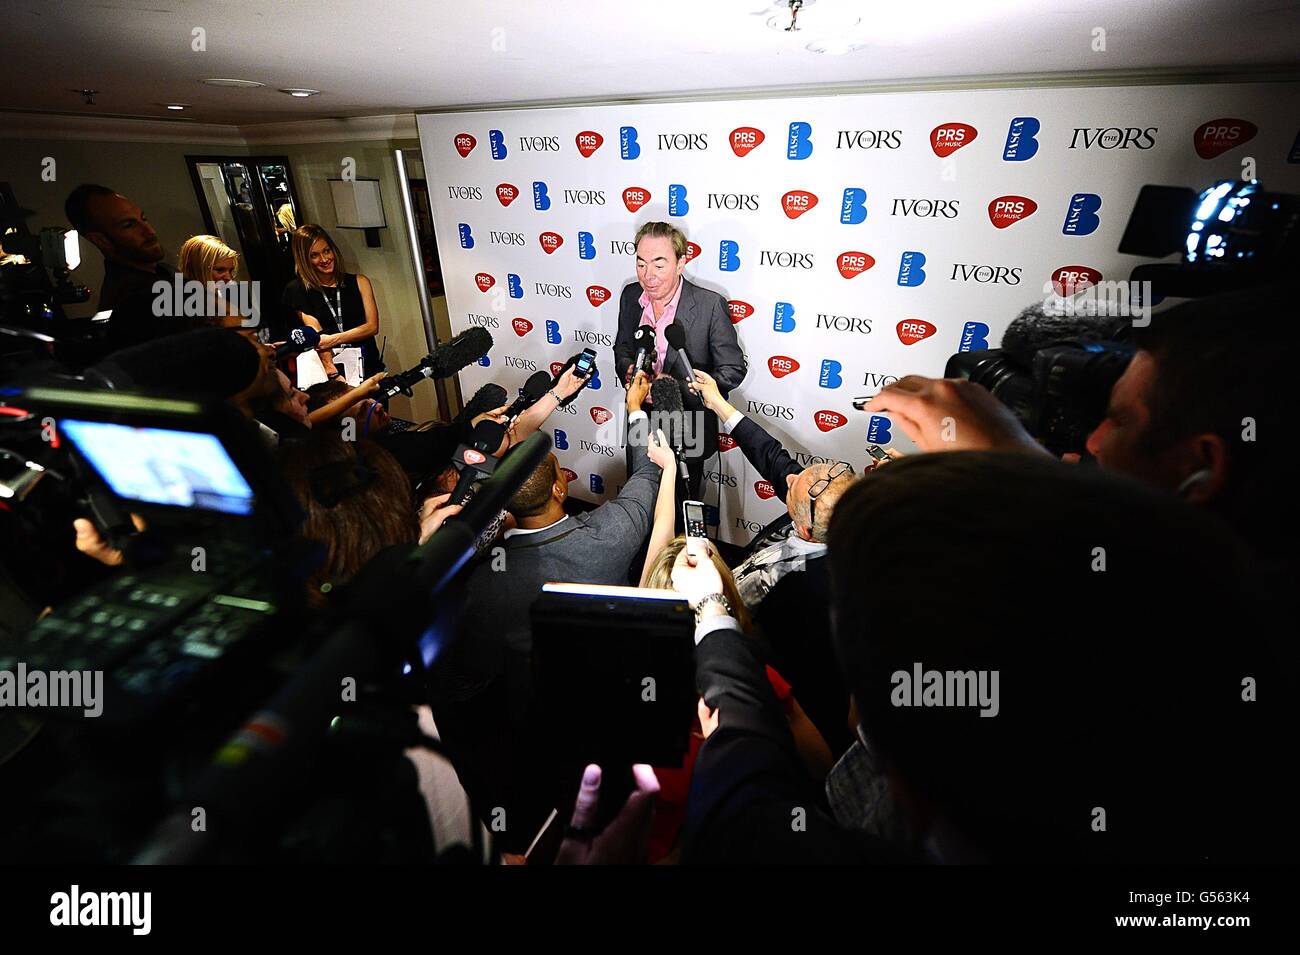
[666, 319]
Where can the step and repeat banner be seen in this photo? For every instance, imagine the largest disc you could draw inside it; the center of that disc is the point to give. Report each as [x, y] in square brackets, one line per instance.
[856, 238]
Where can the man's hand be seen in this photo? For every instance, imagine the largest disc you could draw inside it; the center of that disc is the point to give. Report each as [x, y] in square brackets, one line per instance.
[433, 514]
[707, 388]
[90, 543]
[624, 840]
[496, 414]
[569, 383]
[371, 385]
[660, 453]
[695, 576]
[637, 390]
[953, 414]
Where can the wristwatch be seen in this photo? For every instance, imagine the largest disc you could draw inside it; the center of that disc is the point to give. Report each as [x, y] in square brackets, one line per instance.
[709, 599]
[558, 399]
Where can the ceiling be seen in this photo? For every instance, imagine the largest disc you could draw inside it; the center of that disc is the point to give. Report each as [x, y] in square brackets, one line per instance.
[372, 57]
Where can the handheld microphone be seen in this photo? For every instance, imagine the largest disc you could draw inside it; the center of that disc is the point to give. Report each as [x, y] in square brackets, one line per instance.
[301, 339]
[474, 459]
[486, 398]
[670, 414]
[644, 339]
[676, 336]
[443, 362]
[537, 385]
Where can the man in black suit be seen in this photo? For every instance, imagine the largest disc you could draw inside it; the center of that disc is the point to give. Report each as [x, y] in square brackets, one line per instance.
[660, 298]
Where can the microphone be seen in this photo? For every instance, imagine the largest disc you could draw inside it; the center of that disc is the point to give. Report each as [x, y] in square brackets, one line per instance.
[670, 414]
[486, 398]
[676, 336]
[443, 362]
[301, 339]
[644, 339]
[474, 459]
[538, 383]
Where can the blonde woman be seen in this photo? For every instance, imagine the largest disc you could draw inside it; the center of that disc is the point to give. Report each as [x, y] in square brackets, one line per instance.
[339, 304]
[209, 261]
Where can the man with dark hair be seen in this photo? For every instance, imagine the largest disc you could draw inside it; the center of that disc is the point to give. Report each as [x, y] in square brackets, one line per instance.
[1020, 730]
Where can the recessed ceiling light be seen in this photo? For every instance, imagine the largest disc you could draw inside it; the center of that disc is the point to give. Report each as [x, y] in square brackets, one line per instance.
[234, 84]
[175, 105]
[301, 93]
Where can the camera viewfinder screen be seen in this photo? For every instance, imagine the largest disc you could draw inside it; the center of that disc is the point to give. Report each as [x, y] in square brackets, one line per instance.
[160, 466]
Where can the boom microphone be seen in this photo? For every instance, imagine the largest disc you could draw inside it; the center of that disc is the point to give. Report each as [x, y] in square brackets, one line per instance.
[1037, 327]
[301, 339]
[443, 362]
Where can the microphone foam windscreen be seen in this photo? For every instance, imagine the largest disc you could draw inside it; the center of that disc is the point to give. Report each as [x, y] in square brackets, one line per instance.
[675, 335]
[461, 352]
[486, 398]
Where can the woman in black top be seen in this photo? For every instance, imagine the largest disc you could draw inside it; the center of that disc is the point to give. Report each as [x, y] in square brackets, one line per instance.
[339, 305]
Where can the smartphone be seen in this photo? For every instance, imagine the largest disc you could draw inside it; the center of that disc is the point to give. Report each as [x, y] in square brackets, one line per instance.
[696, 531]
[878, 454]
[585, 363]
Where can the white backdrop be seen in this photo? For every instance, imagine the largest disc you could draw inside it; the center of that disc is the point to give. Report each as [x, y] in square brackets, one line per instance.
[535, 211]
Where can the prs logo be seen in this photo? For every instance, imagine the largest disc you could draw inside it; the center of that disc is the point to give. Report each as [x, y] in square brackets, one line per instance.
[550, 241]
[950, 137]
[912, 330]
[522, 326]
[634, 197]
[739, 310]
[781, 365]
[600, 415]
[1219, 135]
[464, 144]
[853, 264]
[726, 442]
[597, 295]
[764, 490]
[796, 202]
[745, 140]
[1069, 279]
[484, 281]
[588, 141]
[1006, 211]
[829, 420]
[506, 193]
[692, 250]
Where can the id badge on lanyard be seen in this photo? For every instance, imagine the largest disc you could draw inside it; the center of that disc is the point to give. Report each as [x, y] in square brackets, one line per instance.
[347, 358]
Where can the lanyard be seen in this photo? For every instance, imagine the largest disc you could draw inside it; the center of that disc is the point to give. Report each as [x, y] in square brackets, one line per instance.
[335, 313]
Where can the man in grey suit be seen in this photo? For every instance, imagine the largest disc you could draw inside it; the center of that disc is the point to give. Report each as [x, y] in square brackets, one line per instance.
[483, 686]
[661, 297]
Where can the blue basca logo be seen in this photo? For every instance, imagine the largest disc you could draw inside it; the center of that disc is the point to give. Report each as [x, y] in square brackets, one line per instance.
[911, 269]
[628, 147]
[597, 484]
[586, 246]
[1021, 141]
[800, 145]
[1082, 218]
[497, 143]
[594, 384]
[783, 317]
[561, 440]
[677, 204]
[485, 361]
[553, 336]
[878, 430]
[830, 376]
[541, 200]
[853, 210]
[728, 255]
[515, 285]
[974, 337]
[466, 236]
[711, 515]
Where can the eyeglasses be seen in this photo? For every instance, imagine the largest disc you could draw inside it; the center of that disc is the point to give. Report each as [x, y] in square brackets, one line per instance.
[814, 492]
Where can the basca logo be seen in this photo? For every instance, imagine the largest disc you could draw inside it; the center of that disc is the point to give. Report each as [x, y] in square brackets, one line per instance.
[726, 442]
[745, 139]
[561, 440]
[764, 490]
[985, 274]
[483, 321]
[554, 334]
[1219, 135]
[506, 193]
[539, 144]
[830, 374]
[926, 208]
[1069, 279]
[677, 204]
[799, 143]
[739, 310]
[586, 246]
[522, 327]
[911, 269]
[464, 192]
[497, 144]
[466, 235]
[950, 137]
[600, 415]
[584, 197]
[853, 207]
[620, 247]
[692, 251]
[796, 202]
[1021, 142]
[728, 255]
[781, 365]
[464, 144]
[550, 241]
[526, 364]
[1081, 218]
[913, 330]
[597, 484]
[604, 449]
[878, 429]
[597, 295]
[680, 141]
[541, 197]
[634, 197]
[876, 381]
[734, 201]
[869, 139]
[628, 147]
[769, 410]
[717, 477]
[589, 337]
[783, 317]
[1006, 211]
[550, 290]
[853, 264]
[1112, 137]
[588, 141]
[515, 285]
[974, 337]
[785, 260]
[844, 323]
[570, 475]
[829, 420]
[484, 281]
[506, 238]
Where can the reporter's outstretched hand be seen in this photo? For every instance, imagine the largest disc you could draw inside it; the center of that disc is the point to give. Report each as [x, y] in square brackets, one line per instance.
[953, 414]
[695, 576]
[433, 515]
[637, 390]
[660, 452]
[624, 840]
[569, 383]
